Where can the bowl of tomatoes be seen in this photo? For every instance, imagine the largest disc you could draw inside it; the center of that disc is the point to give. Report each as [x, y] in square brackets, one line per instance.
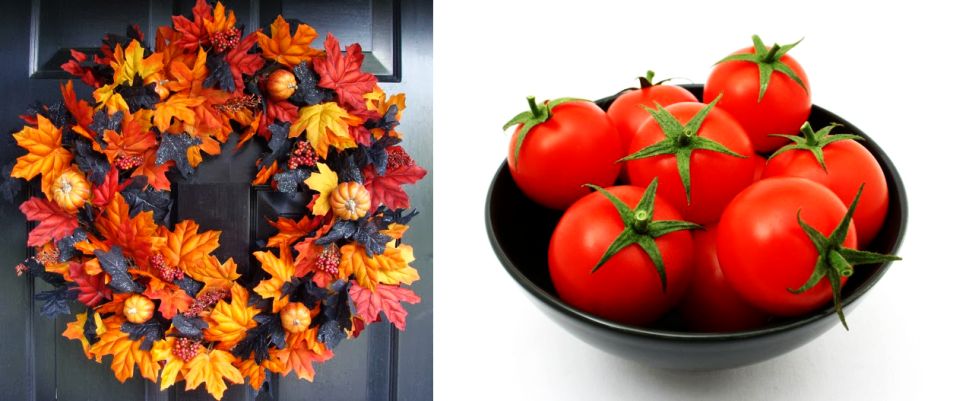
[608, 263]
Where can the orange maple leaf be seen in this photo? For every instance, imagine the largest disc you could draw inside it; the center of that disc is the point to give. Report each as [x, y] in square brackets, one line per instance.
[74, 330]
[280, 271]
[172, 298]
[265, 173]
[45, 157]
[133, 140]
[186, 247]
[213, 273]
[291, 230]
[254, 372]
[211, 368]
[180, 106]
[301, 352]
[156, 175]
[126, 353]
[162, 350]
[222, 20]
[79, 109]
[134, 235]
[283, 48]
[229, 322]
[390, 267]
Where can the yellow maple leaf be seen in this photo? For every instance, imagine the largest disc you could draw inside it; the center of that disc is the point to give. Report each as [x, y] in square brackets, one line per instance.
[229, 322]
[327, 124]
[213, 273]
[163, 351]
[283, 48]
[180, 106]
[127, 64]
[391, 267]
[211, 368]
[280, 270]
[395, 230]
[74, 330]
[323, 182]
[126, 353]
[45, 155]
[186, 247]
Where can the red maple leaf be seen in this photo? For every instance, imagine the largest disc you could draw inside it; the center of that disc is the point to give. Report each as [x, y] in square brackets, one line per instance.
[282, 110]
[53, 222]
[103, 193]
[342, 74]
[75, 68]
[386, 188]
[385, 299]
[242, 62]
[93, 289]
[194, 32]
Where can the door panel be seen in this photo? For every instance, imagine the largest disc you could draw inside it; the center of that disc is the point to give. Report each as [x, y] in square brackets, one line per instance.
[37, 363]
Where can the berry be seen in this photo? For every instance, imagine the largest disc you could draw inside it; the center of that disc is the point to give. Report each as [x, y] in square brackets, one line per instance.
[397, 157]
[185, 348]
[329, 260]
[302, 155]
[205, 301]
[225, 40]
[125, 162]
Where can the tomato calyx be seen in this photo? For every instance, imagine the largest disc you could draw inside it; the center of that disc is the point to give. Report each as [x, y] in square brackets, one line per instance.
[646, 81]
[814, 141]
[681, 140]
[768, 61]
[641, 229]
[835, 260]
[538, 114]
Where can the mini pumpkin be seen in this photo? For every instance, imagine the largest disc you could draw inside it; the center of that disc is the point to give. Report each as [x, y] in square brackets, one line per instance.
[70, 190]
[281, 84]
[295, 317]
[350, 201]
[138, 309]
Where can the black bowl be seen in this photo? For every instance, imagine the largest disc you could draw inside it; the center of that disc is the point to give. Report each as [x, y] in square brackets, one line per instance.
[520, 231]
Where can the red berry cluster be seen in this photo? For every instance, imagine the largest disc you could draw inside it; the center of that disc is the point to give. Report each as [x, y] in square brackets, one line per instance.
[185, 348]
[167, 273]
[225, 40]
[205, 301]
[302, 155]
[237, 103]
[125, 162]
[329, 260]
[397, 157]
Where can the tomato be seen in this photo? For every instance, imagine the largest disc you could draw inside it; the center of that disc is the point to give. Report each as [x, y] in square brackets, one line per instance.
[628, 111]
[625, 287]
[760, 165]
[763, 250]
[558, 147]
[846, 165]
[710, 304]
[715, 174]
[780, 109]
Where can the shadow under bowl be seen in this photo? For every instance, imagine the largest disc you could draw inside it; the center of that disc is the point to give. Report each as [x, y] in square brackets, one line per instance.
[520, 230]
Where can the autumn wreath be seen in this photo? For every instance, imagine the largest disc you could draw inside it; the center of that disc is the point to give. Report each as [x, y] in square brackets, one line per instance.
[155, 298]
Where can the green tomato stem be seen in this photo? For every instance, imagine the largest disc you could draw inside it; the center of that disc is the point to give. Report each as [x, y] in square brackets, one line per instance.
[532, 101]
[772, 53]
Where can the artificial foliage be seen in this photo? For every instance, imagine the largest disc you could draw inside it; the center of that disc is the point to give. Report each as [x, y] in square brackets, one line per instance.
[155, 300]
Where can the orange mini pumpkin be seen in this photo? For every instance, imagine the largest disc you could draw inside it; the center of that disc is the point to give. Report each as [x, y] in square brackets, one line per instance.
[281, 84]
[138, 309]
[350, 200]
[295, 317]
[70, 190]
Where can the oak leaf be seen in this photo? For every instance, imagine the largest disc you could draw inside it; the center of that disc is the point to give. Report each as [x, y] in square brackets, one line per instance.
[229, 321]
[387, 299]
[342, 73]
[327, 124]
[285, 49]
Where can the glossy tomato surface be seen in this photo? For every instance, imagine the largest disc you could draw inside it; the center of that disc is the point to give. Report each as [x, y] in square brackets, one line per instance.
[626, 288]
[763, 251]
[628, 112]
[715, 178]
[577, 145]
[783, 109]
[849, 164]
[711, 305]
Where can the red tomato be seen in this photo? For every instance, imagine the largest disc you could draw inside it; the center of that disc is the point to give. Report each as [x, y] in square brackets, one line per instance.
[761, 164]
[782, 108]
[715, 177]
[848, 164]
[763, 250]
[576, 145]
[627, 288]
[711, 305]
[628, 112]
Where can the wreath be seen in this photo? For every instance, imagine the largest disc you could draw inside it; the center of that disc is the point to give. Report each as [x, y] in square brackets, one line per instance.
[154, 297]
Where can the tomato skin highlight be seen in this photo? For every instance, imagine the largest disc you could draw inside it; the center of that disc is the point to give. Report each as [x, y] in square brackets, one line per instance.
[763, 251]
[849, 164]
[715, 178]
[628, 114]
[784, 107]
[711, 305]
[626, 288]
[578, 145]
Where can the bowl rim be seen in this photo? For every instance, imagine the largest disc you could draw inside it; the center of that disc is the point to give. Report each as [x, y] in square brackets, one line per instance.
[558, 305]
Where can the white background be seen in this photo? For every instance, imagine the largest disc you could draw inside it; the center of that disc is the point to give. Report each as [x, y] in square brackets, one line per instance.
[891, 70]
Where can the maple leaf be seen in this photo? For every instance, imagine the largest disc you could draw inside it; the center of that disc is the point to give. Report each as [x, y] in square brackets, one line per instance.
[283, 48]
[327, 124]
[142, 198]
[126, 352]
[76, 330]
[55, 301]
[53, 223]
[213, 273]
[193, 33]
[162, 350]
[115, 265]
[186, 247]
[45, 155]
[242, 62]
[155, 173]
[342, 73]
[324, 182]
[67, 245]
[279, 144]
[134, 140]
[387, 299]
[391, 267]
[385, 189]
[254, 372]
[229, 322]
[291, 230]
[280, 271]
[172, 298]
[265, 174]
[175, 147]
[221, 21]
[211, 368]
[92, 163]
[135, 236]
[93, 288]
[80, 109]
[301, 352]
[180, 106]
